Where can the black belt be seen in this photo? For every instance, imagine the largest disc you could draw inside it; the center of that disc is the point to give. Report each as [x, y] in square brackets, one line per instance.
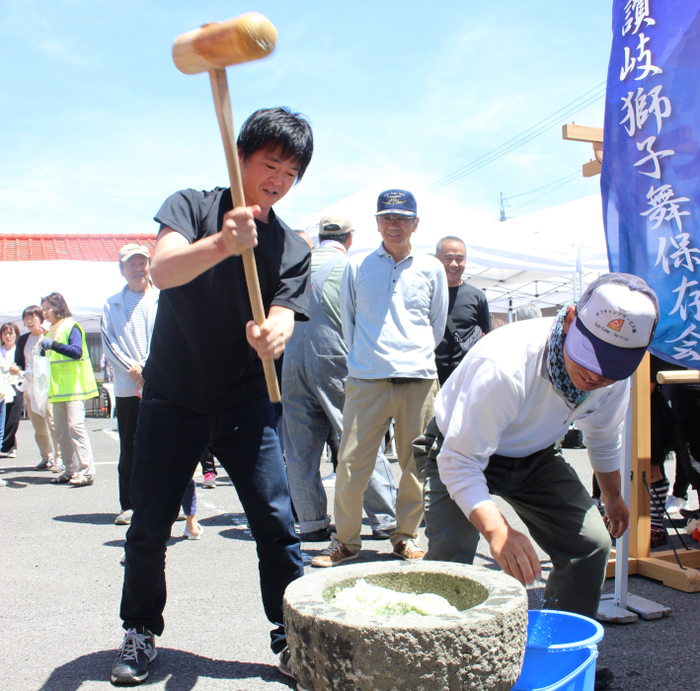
[404, 380]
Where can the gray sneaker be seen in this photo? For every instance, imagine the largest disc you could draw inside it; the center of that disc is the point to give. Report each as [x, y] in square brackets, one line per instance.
[60, 468]
[136, 652]
[124, 518]
[46, 464]
[285, 664]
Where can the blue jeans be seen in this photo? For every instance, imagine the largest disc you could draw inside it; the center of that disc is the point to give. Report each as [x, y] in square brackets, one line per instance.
[313, 402]
[169, 442]
[189, 500]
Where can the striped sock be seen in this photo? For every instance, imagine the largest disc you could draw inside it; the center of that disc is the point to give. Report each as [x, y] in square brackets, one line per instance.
[658, 489]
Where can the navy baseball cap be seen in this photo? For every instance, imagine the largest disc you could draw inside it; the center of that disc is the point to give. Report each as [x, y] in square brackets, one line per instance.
[615, 322]
[396, 202]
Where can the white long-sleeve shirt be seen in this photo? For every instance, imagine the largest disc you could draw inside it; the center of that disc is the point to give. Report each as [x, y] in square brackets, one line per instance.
[500, 400]
[393, 314]
[120, 347]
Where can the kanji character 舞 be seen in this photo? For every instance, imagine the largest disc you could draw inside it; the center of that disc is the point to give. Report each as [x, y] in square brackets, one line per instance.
[664, 207]
[647, 144]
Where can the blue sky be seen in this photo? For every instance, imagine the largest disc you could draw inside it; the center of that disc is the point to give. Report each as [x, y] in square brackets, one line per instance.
[97, 126]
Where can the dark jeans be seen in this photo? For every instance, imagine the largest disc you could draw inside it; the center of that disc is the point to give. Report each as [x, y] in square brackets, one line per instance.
[169, 443]
[127, 416]
[13, 414]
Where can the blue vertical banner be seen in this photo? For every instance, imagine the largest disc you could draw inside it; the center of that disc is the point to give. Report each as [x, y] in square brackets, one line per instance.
[650, 180]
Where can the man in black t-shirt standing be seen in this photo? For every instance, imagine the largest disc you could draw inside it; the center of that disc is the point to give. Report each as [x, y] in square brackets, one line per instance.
[209, 392]
[468, 315]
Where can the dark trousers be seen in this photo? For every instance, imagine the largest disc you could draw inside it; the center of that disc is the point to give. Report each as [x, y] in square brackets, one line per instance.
[169, 443]
[13, 413]
[685, 403]
[547, 494]
[127, 415]
[207, 461]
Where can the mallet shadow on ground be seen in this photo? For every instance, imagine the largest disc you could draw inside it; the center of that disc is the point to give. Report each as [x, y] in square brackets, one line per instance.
[180, 670]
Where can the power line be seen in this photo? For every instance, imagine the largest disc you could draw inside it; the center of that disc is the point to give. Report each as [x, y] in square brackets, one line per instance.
[527, 135]
[506, 149]
[566, 182]
[576, 173]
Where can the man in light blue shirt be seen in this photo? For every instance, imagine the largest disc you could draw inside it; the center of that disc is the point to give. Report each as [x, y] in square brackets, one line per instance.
[394, 308]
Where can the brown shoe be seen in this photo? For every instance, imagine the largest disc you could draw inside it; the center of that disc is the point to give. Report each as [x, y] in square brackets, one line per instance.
[336, 553]
[410, 550]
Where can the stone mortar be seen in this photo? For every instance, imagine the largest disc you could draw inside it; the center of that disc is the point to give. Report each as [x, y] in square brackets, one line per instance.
[481, 649]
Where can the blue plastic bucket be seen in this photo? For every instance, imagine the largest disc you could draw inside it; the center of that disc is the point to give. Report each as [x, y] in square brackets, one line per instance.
[561, 652]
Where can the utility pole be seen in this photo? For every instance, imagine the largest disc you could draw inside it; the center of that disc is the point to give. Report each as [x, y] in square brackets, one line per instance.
[502, 217]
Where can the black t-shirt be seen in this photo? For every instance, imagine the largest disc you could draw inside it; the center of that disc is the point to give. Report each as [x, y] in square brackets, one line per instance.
[468, 308]
[200, 358]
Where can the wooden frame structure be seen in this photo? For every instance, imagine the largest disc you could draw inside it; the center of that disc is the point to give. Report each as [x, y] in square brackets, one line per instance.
[593, 135]
[662, 566]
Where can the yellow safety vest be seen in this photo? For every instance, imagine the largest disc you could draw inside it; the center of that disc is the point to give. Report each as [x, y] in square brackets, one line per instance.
[71, 380]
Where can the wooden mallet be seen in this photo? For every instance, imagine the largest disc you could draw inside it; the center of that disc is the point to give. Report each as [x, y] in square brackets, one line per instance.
[212, 48]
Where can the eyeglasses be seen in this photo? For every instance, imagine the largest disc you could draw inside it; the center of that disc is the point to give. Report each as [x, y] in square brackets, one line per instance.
[395, 218]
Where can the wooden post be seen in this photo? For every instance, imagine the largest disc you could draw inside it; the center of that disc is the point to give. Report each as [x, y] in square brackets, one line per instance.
[640, 529]
[661, 566]
[594, 135]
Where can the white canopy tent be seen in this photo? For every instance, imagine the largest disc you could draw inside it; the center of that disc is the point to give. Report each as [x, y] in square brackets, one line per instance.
[541, 257]
[85, 286]
[544, 257]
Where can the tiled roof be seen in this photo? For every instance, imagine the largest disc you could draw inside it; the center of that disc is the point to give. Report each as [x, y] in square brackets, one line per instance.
[83, 247]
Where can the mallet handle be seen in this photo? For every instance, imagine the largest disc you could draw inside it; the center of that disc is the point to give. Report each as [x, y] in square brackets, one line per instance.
[678, 377]
[222, 103]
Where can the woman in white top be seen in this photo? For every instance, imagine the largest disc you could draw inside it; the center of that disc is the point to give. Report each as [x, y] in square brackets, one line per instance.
[14, 401]
[41, 417]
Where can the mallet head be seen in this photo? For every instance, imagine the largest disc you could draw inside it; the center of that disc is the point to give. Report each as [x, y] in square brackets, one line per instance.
[220, 44]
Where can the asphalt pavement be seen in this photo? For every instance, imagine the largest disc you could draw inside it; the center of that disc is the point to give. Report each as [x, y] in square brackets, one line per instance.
[60, 585]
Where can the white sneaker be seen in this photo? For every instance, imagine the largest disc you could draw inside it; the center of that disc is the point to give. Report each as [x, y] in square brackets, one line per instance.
[329, 480]
[675, 504]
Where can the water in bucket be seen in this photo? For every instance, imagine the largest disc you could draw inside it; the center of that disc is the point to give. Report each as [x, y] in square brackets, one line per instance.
[561, 651]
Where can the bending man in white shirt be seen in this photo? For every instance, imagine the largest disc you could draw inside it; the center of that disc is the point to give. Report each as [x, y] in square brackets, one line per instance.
[496, 420]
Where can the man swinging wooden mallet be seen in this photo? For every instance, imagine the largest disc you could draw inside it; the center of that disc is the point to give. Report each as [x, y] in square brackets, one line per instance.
[204, 387]
[212, 48]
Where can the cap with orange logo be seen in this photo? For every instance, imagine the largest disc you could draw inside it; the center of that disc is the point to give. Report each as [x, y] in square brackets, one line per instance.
[615, 322]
